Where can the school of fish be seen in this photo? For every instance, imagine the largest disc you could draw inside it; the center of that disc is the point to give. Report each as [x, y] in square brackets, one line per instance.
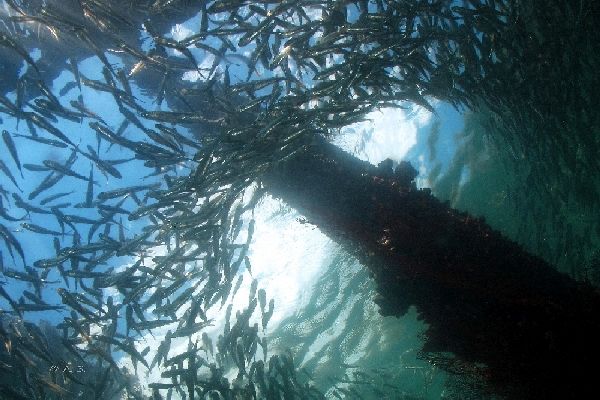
[308, 68]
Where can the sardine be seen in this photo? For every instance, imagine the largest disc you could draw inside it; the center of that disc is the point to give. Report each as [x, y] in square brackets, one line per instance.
[75, 71]
[89, 194]
[9, 174]
[48, 127]
[262, 299]
[67, 88]
[39, 139]
[19, 202]
[55, 196]
[38, 307]
[51, 179]
[191, 329]
[12, 149]
[61, 169]
[8, 42]
[40, 229]
[4, 214]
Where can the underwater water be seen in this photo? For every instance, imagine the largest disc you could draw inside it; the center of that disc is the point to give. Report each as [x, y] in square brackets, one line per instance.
[135, 221]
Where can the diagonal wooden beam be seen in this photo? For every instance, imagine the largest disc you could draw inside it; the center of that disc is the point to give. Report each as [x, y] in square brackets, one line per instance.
[485, 298]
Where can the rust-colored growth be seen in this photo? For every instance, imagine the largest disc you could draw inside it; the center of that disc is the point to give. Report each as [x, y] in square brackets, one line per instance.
[485, 299]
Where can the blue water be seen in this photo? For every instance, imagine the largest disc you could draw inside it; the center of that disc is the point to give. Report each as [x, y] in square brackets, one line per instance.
[324, 311]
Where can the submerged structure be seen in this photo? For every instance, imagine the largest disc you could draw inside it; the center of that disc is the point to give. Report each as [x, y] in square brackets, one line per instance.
[508, 316]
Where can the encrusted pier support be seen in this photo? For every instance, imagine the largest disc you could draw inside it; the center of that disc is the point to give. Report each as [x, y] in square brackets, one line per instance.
[485, 299]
